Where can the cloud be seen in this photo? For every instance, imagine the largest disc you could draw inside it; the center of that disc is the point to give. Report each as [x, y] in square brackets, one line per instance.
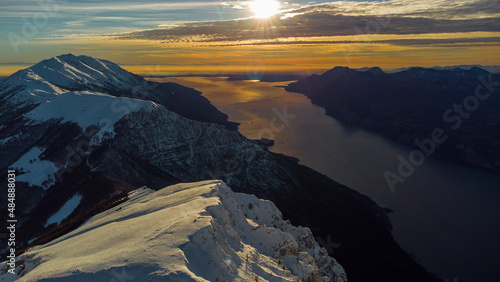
[327, 19]
[441, 42]
[74, 18]
[401, 17]
[436, 9]
[116, 6]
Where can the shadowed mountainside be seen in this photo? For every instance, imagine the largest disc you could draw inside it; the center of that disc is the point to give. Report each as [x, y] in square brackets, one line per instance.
[452, 114]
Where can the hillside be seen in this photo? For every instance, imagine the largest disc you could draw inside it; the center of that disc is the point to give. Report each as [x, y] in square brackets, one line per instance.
[452, 114]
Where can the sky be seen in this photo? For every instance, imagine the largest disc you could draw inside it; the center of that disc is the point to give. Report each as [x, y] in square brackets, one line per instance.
[221, 37]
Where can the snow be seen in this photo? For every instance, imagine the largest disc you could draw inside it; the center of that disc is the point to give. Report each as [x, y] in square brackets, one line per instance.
[186, 232]
[9, 139]
[36, 171]
[86, 109]
[28, 87]
[70, 71]
[48, 91]
[65, 210]
[81, 107]
[56, 85]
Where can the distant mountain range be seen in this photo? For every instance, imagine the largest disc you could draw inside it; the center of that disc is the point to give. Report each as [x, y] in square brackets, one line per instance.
[491, 69]
[289, 76]
[82, 133]
[452, 113]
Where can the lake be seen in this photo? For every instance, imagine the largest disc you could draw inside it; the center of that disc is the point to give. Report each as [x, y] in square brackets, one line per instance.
[446, 214]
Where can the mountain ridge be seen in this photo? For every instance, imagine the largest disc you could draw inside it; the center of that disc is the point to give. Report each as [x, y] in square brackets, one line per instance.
[409, 105]
[205, 229]
[69, 73]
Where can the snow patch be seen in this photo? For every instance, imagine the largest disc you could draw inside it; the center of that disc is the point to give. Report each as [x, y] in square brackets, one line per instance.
[36, 172]
[86, 109]
[9, 139]
[65, 210]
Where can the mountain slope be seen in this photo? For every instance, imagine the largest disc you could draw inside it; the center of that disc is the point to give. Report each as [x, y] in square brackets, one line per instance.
[82, 73]
[106, 140]
[409, 106]
[198, 231]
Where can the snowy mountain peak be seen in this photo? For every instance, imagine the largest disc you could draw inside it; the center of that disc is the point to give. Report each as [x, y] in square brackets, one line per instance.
[69, 73]
[72, 88]
[72, 72]
[197, 231]
[375, 70]
[64, 73]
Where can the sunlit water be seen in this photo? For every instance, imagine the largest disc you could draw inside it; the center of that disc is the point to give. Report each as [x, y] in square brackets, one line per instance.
[446, 214]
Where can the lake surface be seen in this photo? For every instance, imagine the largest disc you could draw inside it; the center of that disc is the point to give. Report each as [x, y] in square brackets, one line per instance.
[446, 214]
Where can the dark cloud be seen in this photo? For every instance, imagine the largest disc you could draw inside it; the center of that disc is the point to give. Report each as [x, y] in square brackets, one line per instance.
[437, 9]
[448, 42]
[311, 24]
[480, 8]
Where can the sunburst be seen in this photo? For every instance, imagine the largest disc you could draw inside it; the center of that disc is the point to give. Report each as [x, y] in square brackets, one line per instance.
[264, 8]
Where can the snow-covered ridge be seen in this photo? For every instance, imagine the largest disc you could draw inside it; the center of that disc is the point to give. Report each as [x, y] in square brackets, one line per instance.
[87, 108]
[25, 86]
[187, 232]
[66, 73]
[71, 72]
[73, 88]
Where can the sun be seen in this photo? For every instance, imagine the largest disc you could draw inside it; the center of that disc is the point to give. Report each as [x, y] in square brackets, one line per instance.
[264, 8]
